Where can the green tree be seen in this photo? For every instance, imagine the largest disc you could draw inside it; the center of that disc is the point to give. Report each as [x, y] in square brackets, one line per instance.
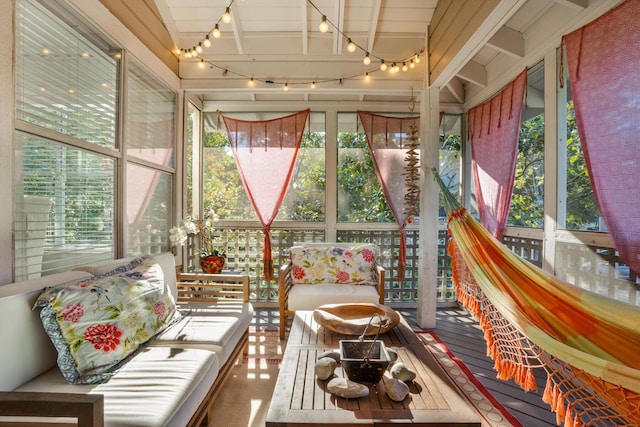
[582, 212]
[527, 202]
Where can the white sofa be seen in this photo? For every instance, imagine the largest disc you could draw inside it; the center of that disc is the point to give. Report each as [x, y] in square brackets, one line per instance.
[171, 380]
[328, 273]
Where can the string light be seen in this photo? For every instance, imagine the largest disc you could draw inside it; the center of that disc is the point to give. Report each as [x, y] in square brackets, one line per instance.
[195, 50]
[351, 46]
[226, 18]
[323, 27]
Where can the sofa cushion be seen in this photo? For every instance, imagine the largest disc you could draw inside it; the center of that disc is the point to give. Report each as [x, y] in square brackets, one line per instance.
[96, 324]
[159, 386]
[333, 263]
[310, 297]
[215, 326]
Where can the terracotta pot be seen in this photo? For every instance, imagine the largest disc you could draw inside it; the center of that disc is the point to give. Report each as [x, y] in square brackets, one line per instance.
[212, 264]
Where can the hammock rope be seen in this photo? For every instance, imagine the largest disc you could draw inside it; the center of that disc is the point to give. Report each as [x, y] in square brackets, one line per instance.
[586, 345]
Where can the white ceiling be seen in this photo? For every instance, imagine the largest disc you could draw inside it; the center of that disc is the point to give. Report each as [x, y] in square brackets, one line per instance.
[278, 42]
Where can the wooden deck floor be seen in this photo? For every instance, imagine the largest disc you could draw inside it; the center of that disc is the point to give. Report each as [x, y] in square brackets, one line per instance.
[461, 333]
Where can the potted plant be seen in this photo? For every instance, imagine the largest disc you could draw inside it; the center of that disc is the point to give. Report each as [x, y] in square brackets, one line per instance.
[212, 256]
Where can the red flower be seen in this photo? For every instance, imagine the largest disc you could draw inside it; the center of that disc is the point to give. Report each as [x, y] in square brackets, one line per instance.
[298, 272]
[368, 255]
[348, 254]
[343, 276]
[73, 312]
[103, 337]
[159, 309]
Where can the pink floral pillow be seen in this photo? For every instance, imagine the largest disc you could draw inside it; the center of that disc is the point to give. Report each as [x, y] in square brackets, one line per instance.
[334, 263]
[96, 324]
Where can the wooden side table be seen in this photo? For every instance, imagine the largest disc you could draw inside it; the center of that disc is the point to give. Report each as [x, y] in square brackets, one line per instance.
[212, 287]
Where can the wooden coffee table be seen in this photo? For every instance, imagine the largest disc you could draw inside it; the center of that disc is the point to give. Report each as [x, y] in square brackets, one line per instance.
[300, 399]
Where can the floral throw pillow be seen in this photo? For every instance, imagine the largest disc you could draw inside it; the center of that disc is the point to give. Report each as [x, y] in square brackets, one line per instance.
[97, 324]
[338, 263]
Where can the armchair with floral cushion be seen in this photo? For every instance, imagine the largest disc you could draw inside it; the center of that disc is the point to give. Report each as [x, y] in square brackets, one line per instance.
[328, 273]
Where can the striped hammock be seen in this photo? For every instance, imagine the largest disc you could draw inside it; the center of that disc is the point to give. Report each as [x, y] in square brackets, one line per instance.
[587, 345]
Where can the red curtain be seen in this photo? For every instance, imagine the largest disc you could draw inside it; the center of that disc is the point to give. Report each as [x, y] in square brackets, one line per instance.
[604, 71]
[265, 152]
[494, 128]
[387, 138]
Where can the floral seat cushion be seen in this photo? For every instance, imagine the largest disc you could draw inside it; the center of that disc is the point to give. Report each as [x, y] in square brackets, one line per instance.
[334, 263]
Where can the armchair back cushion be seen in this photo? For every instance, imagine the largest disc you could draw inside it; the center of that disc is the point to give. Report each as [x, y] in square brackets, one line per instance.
[334, 263]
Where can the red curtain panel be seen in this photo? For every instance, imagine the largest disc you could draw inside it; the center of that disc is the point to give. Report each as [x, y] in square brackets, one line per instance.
[266, 152]
[494, 127]
[604, 73]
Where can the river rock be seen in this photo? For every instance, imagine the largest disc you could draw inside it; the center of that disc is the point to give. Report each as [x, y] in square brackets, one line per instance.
[324, 368]
[335, 355]
[393, 356]
[396, 390]
[343, 387]
[402, 372]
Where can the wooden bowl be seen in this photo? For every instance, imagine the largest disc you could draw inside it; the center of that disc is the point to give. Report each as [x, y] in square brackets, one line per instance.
[352, 319]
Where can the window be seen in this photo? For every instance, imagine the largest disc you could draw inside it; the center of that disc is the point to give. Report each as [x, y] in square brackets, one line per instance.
[149, 142]
[222, 186]
[527, 201]
[450, 167]
[360, 195]
[67, 155]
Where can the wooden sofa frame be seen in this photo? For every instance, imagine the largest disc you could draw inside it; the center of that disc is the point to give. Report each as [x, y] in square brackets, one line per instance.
[285, 283]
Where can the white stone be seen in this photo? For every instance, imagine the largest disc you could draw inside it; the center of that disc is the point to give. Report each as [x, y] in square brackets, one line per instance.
[402, 372]
[393, 356]
[343, 387]
[324, 368]
[396, 390]
[335, 355]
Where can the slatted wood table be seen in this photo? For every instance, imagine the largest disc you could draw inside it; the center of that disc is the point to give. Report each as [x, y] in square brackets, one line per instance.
[301, 399]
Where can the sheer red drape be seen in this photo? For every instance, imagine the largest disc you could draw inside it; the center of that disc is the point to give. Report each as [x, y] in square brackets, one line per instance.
[604, 71]
[387, 137]
[494, 128]
[265, 152]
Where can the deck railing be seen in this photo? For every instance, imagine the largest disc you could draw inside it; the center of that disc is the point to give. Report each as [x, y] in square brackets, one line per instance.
[595, 268]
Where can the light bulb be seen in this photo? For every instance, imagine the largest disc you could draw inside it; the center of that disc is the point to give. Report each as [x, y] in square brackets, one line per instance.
[417, 58]
[251, 83]
[216, 32]
[286, 87]
[404, 66]
[199, 48]
[367, 59]
[187, 54]
[412, 64]
[383, 66]
[194, 52]
[324, 27]
[178, 52]
[367, 76]
[201, 64]
[313, 85]
[226, 18]
[207, 41]
[351, 46]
